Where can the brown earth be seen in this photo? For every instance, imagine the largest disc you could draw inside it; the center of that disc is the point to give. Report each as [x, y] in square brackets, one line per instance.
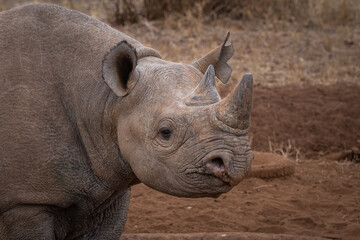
[215, 236]
[311, 121]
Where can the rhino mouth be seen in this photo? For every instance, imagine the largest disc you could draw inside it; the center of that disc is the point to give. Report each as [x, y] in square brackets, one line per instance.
[207, 180]
[218, 169]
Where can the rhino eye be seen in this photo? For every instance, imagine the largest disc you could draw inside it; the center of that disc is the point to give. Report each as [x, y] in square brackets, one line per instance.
[165, 133]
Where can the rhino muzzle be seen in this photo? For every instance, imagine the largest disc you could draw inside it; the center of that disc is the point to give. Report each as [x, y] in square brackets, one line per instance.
[231, 114]
[223, 166]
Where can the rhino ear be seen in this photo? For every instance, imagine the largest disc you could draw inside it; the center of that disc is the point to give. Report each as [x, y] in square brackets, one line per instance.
[218, 58]
[118, 68]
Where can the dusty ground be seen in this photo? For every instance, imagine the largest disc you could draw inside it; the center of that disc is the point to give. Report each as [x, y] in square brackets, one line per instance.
[306, 106]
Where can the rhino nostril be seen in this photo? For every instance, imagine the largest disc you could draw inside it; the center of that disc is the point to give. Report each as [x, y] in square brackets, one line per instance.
[216, 167]
[218, 163]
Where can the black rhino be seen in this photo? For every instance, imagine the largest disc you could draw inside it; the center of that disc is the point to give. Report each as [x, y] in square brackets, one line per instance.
[86, 112]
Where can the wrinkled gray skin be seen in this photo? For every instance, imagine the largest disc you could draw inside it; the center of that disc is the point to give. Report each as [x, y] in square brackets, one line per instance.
[85, 115]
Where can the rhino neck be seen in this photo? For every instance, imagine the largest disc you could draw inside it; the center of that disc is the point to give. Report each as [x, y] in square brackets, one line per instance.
[76, 56]
[97, 116]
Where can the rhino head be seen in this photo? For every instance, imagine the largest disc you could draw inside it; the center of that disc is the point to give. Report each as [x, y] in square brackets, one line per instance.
[172, 127]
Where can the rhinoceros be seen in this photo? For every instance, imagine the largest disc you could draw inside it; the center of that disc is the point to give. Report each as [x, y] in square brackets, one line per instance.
[86, 112]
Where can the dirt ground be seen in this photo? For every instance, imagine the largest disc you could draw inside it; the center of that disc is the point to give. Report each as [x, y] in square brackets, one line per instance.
[306, 107]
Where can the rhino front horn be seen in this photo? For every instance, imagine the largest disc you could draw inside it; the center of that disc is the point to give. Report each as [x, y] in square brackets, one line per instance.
[205, 93]
[233, 112]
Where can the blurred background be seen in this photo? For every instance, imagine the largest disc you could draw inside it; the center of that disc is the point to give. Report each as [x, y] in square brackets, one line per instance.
[308, 12]
[304, 55]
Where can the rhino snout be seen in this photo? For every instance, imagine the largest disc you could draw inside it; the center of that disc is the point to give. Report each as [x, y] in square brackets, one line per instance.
[227, 169]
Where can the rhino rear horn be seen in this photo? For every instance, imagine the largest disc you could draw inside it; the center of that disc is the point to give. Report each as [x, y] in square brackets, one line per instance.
[205, 93]
[118, 68]
[218, 58]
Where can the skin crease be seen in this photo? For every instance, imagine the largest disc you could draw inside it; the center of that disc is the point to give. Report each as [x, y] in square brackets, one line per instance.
[71, 147]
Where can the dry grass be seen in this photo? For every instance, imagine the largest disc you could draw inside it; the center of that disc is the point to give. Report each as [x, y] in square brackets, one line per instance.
[308, 12]
[280, 41]
[275, 54]
[288, 150]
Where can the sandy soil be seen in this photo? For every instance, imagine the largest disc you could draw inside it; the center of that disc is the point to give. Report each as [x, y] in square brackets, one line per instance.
[309, 121]
[215, 236]
[306, 106]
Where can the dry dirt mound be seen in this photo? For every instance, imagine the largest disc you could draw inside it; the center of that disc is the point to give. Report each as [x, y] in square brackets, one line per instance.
[268, 165]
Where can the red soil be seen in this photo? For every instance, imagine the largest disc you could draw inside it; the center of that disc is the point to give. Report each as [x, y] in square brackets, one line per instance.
[317, 120]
